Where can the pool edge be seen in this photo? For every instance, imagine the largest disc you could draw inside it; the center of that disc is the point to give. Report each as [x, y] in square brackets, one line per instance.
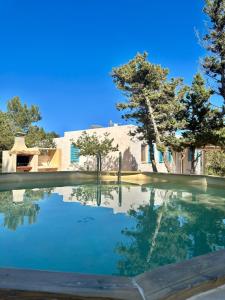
[129, 177]
[175, 281]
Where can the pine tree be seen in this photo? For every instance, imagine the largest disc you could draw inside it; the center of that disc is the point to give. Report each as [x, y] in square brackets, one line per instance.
[153, 102]
[214, 63]
[201, 119]
[20, 117]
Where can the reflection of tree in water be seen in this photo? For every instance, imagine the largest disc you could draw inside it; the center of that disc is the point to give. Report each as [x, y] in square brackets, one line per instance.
[15, 213]
[206, 228]
[94, 193]
[169, 233]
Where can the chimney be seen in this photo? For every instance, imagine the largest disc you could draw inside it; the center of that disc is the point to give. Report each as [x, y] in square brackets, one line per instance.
[20, 147]
[19, 142]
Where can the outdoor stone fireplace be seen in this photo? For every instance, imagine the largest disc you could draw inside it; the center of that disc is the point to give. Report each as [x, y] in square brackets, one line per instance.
[20, 158]
[23, 159]
[23, 163]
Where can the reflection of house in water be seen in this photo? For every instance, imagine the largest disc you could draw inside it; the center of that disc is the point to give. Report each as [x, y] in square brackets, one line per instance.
[119, 198]
[18, 196]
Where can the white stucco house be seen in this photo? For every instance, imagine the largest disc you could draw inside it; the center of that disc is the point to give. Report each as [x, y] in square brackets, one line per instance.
[65, 157]
[135, 153]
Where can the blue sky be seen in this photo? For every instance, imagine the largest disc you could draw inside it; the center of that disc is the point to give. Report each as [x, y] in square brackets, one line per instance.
[58, 54]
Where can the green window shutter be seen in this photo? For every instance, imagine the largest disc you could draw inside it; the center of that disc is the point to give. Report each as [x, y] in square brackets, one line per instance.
[169, 156]
[160, 157]
[74, 154]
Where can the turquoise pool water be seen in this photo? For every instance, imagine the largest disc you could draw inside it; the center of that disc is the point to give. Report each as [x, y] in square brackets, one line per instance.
[108, 229]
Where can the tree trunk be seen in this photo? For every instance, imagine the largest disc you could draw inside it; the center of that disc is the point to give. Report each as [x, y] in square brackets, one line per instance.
[152, 198]
[87, 162]
[152, 156]
[150, 110]
[100, 163]
[97, 163]
[158, 225]
[193, 160]
[222, 90]
[182, 162]
[157, 135]
[99, 193]
[98, 167]
[119, 167]
[166, 162]
[120, 195]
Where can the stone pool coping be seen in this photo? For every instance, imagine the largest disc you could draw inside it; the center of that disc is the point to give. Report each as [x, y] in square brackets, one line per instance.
[129, 177]
[175, 281]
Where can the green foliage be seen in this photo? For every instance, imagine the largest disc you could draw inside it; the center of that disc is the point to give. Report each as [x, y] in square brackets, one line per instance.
[38, 137]
[215, 162]
[153, 101]
[219, 138]
[16, 214]
[171, 232]
[142, 81]
[6, 136]
[202, 122]
[214, 63]
[201, 119]
[93, 193]
[93, 145]
[21, 116]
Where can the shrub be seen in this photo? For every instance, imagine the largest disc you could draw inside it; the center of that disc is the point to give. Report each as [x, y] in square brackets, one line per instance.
[215, 162]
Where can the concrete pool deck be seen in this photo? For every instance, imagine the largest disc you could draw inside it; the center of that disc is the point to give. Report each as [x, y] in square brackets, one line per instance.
[176, 281]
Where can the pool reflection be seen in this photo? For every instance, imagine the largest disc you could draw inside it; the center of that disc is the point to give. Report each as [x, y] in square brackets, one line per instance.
[166, 225]
[185, 225]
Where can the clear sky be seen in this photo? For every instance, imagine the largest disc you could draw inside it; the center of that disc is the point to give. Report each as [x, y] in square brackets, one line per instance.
[58, 54]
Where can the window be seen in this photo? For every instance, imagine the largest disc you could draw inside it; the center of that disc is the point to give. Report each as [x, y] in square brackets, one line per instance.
[160, 157]
[143, 153]
[74, 154]
[169, 156]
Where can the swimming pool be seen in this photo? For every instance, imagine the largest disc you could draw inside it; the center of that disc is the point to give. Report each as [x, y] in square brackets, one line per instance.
[119, 229]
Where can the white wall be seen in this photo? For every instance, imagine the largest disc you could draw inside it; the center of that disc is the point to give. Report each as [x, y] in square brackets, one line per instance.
[8, 162]
[34, 163]
[130, 148]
